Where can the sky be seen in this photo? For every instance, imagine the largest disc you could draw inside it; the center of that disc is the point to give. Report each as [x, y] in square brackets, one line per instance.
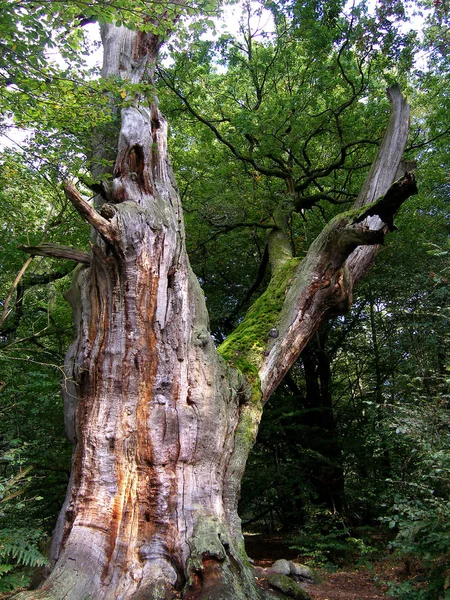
[12, 137]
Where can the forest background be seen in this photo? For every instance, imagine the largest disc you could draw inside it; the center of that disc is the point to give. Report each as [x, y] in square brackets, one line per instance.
[355, 444]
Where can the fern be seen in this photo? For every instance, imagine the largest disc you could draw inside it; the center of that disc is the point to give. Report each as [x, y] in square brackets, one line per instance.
[17, 551]
[5, 569]
[15, 580]
[15, 545]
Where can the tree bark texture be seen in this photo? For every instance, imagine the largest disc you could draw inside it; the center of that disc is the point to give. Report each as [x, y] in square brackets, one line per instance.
[162, 422]
[151, 408]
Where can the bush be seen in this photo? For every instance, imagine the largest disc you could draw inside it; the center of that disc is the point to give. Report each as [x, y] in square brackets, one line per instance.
[327, 542]
[420, 510]
[19, 551]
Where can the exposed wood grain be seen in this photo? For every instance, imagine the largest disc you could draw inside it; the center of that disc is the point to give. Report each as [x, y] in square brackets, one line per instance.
[87, 211]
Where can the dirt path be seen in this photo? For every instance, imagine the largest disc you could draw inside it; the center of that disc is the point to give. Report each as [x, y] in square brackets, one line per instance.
[346, 585]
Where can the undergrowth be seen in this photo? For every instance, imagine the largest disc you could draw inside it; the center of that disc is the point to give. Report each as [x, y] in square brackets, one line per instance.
[327, 542]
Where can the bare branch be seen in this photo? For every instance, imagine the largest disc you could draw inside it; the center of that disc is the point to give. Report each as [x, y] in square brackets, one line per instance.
[19, 276]
[381, 175]
[306, 202]
[428, 141]
[337, 164]
[385, 165]
[88, 212]
[57, 251]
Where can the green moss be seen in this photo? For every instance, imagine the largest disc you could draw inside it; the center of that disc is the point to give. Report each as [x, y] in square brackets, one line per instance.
[208, 537]
[350, 217]
[245, 347]
[357, 215]
[247, 428]
[289, 587]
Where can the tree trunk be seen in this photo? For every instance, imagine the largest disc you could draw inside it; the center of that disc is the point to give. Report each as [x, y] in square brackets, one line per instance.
[151, 408]
[328, 474]
[161, 424]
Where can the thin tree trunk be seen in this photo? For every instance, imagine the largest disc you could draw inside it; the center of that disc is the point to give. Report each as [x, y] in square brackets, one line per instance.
[161, 424]
[16, 282]
[319, 417]
[376, 352]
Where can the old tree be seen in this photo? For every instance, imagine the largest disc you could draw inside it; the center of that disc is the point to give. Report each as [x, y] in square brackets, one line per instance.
[162, 420]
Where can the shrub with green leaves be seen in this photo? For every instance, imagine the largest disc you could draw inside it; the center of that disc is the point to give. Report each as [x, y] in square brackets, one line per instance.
[329, 543]
[420, 508]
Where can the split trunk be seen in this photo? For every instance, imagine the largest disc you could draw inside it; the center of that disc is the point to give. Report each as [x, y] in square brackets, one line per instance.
[161, 421]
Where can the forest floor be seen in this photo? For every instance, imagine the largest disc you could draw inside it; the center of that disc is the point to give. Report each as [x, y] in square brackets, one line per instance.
[349, 583]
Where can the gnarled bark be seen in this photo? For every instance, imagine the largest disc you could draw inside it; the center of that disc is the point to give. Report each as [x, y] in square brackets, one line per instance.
[151, 408]
[161, 424]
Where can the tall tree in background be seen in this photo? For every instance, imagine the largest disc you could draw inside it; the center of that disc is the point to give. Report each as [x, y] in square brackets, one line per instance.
[161, 421]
